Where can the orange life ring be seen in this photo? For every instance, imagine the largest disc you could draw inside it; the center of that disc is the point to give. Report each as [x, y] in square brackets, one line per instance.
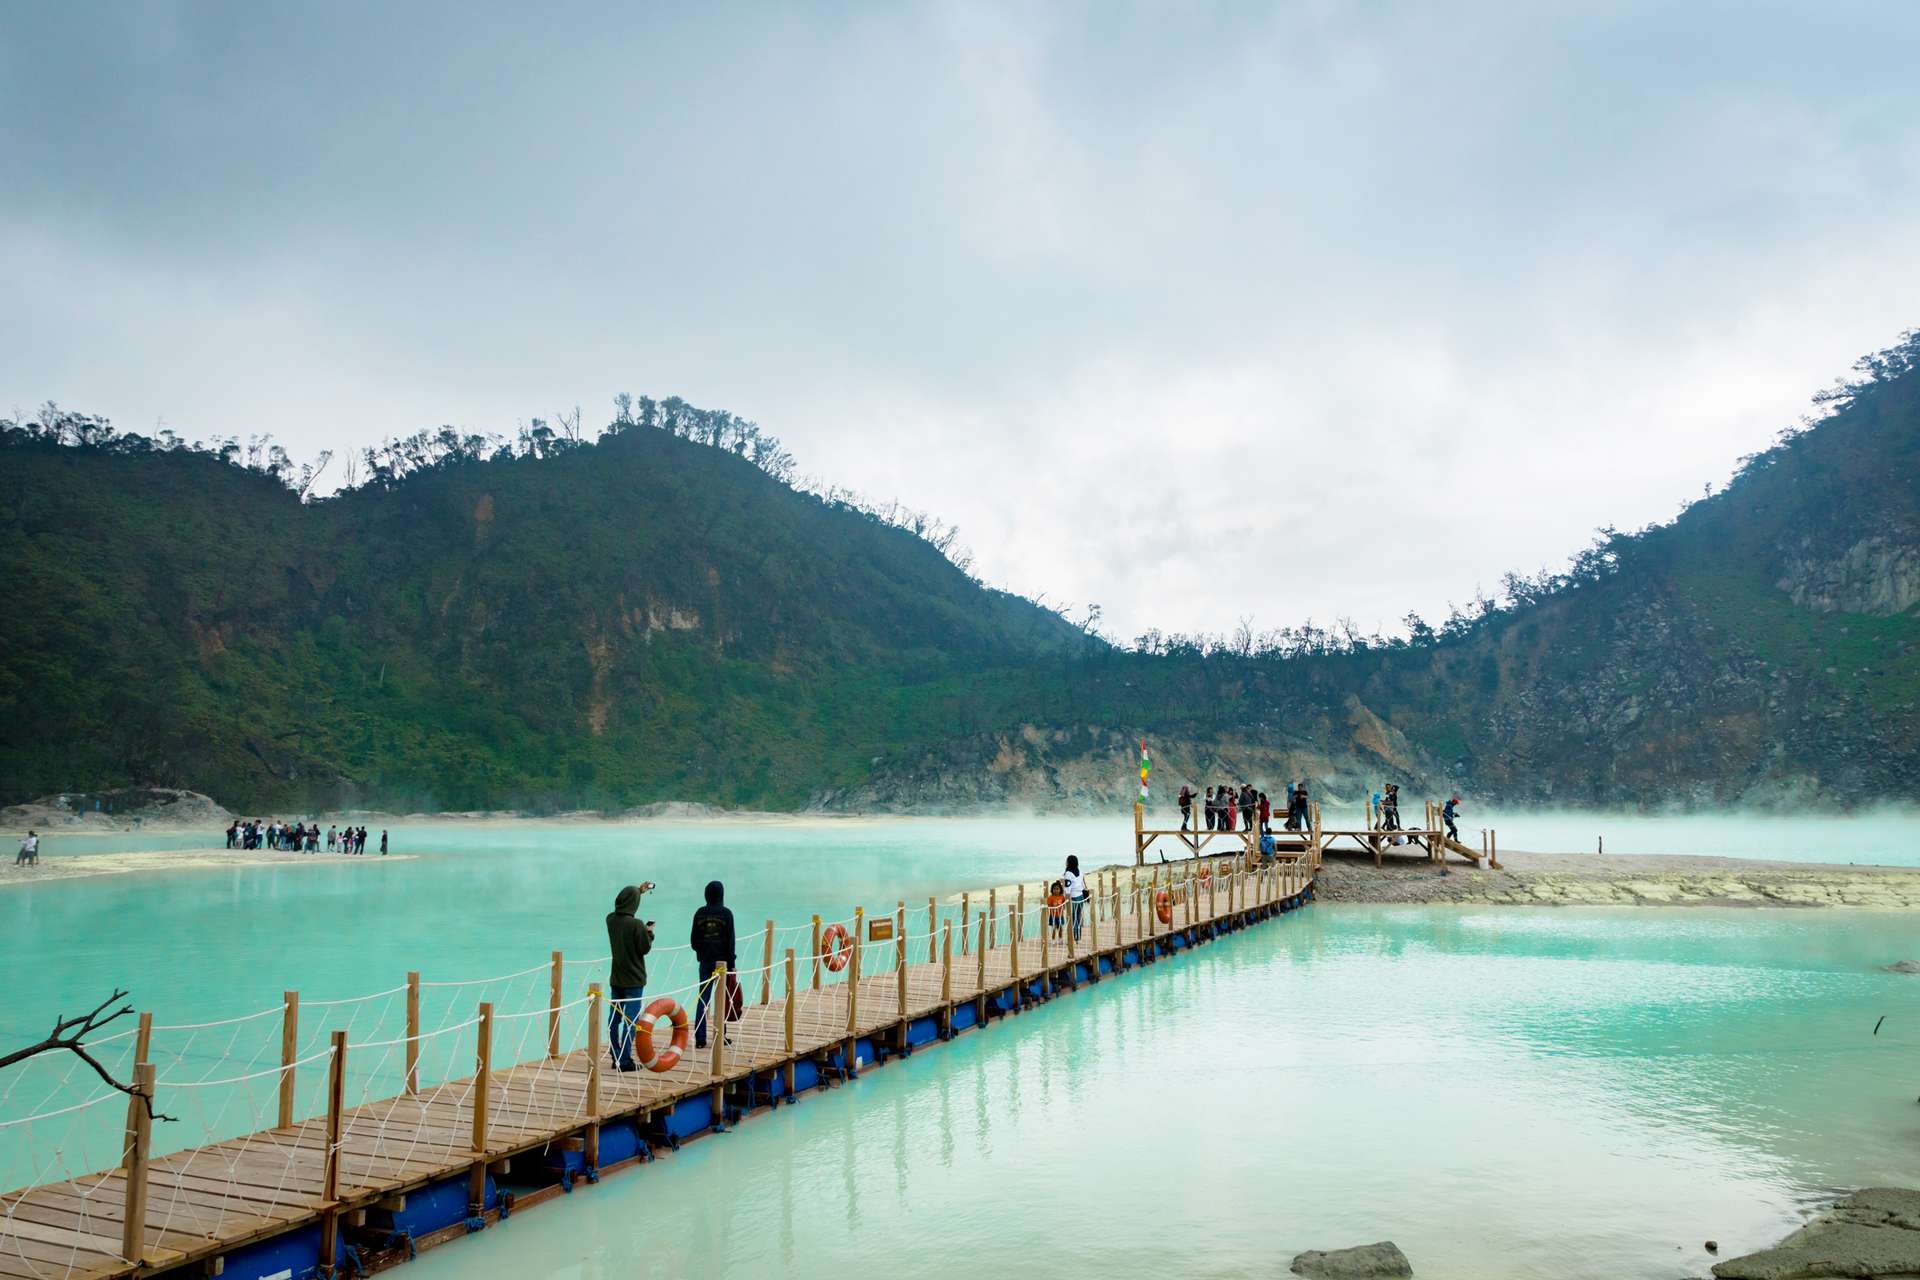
[669, 1008]
[836, 947]
[1163, 907]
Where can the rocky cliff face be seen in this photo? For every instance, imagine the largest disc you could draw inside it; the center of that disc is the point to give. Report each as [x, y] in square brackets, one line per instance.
[1091, 769]
[1878, 575]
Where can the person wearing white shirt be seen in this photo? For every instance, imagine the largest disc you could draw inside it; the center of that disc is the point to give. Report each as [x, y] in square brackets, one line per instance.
[1076, 886]
[29, 850]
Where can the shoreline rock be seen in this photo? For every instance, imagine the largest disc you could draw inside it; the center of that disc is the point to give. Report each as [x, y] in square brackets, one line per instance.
[1379, 1261]
[1874, 1232]
[1620, 880]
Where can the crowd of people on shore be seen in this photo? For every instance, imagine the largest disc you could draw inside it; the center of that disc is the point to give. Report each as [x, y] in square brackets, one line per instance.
[300, 837]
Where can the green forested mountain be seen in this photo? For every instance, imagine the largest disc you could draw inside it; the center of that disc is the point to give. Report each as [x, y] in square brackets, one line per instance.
[656, 617]
[641, 618]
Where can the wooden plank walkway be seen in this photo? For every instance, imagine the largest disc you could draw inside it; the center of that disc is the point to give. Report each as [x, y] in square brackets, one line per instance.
[206, 1201]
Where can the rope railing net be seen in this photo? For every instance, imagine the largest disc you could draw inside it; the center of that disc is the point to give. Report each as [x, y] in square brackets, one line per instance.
[248, 1094]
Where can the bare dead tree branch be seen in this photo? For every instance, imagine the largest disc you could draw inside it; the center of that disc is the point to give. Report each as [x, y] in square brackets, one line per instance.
[69, 1035]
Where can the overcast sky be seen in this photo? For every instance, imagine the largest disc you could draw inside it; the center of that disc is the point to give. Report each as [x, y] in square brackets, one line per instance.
[1197, 312]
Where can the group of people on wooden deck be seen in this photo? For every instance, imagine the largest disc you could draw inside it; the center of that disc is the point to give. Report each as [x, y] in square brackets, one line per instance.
[1227, 808]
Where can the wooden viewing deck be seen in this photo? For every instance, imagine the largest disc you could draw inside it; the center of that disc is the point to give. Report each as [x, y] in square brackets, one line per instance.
[255, 1206]
[1429, 840]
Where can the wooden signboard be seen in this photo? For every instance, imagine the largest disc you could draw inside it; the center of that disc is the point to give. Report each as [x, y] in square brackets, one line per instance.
[879, 929]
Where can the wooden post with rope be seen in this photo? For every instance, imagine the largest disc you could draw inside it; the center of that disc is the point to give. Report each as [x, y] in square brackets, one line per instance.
[993, 917]
[900, 964]
[717, 1028]
[850, 1059]
[289, 1054]
[555, 982]
[980, 988]
[1017, 919]
[482, 1101]
[1093, 945]
[1072, 944]
[766, 968]
[946, 979]
[330, 1162]
[965, 904]
[142, 1045]
[1139, 840]
[1046, 957]
[591, 1138]
[133, 1220]
[816, 952]
[933, 929]
[1013, 959]
[786, 1016]
[413, 1032]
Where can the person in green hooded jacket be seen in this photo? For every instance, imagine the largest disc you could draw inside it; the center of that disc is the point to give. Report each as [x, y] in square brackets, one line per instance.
[629, 938]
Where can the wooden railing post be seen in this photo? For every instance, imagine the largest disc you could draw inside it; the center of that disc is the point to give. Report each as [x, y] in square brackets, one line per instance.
[1046, 956]
[133, 1222]
[900, 963]
[555, 981]
[787, 1018]
[946, 978]
[766, 969]
[852, 1051]
[993, 916]
[816, 953]
[980, 991]
[413, 1032]
[1139, 843]
[330, 1161]
[595, 1011]
[289, 1054]
[482, 1101]
[933, 927]
[965, 906]
[1013, 958]
[1093, 919]
[142, 1052]
[717, 1029]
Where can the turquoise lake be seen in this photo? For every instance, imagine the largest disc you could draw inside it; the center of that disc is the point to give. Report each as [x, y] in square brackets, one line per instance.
[1504, 1092]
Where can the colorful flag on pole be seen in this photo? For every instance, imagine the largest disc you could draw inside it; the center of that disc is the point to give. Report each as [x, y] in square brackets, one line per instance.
[1146, 767]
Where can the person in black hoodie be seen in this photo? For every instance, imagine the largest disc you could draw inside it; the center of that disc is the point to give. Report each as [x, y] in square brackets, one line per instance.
[713, 947]
[630, 939]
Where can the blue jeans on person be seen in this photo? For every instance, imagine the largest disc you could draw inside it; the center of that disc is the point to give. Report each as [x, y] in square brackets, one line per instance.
[622, 1013]
[1078, 905]
[707, 969]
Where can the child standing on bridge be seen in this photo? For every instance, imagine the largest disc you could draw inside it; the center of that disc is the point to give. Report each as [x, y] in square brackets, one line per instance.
[1057, 909]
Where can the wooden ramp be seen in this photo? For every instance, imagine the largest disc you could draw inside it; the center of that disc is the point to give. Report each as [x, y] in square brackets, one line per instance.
[191, 1207]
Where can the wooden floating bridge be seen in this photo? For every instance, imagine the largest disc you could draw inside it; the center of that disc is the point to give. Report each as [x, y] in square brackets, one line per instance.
[360, 1187]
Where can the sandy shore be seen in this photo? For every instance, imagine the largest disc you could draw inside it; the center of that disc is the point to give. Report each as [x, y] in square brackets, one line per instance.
[1622, 880]
[52, 868]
